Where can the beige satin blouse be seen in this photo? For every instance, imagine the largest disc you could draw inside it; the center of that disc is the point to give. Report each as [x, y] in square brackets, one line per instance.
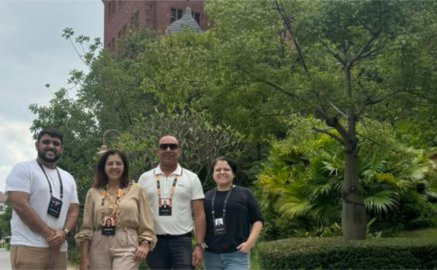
[132, 212]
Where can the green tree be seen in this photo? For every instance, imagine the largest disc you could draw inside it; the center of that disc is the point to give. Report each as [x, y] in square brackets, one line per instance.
[300, 186]
[5, 218]
[200, 140]
[330, 58]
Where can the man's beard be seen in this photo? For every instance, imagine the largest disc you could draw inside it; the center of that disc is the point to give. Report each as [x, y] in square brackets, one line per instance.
[41, 155]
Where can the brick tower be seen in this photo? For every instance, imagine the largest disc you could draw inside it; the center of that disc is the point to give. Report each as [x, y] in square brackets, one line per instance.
[123, 15]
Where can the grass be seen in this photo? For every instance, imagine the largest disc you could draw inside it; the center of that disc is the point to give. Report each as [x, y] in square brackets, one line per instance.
[428, 233]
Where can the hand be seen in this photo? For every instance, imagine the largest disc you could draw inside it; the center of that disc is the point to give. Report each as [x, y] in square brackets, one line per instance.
[141, 252]
[56, 239]
[244, 247]
[84, 263]
[197, 256]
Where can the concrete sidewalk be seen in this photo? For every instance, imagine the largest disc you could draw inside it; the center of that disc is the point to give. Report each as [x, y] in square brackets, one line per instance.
[5, 262]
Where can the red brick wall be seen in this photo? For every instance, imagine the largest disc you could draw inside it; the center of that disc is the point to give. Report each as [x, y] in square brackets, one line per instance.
[121, 15]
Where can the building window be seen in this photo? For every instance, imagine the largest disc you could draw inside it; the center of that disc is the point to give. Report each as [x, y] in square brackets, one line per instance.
[175, 14]
[197, 17]
[135, 20]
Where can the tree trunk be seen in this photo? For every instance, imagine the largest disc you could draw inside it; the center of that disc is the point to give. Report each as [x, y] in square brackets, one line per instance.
[353, 216]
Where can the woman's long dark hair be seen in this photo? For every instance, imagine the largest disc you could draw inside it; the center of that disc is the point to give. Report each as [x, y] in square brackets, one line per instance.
[101, 179]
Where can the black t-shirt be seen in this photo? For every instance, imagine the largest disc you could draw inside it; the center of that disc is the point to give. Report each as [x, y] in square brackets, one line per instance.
[242, 211]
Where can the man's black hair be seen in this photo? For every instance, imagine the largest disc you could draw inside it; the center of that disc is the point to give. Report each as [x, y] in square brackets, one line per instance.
[51, 132]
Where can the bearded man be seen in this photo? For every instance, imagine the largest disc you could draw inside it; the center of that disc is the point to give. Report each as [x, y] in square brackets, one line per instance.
[45, 207]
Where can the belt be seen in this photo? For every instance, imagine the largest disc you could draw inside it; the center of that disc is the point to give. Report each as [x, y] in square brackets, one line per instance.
[188, 234]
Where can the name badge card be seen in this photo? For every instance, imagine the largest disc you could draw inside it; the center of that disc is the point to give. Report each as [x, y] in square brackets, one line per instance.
[108, 226]
[219, 226]
[165, 207]
[55, 206]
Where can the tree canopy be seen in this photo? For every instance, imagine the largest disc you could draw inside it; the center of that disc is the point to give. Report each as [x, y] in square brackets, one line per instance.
[233, 89]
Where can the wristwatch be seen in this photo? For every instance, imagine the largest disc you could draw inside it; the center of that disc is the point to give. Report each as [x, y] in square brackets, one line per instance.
[66, 231]
[201, 245]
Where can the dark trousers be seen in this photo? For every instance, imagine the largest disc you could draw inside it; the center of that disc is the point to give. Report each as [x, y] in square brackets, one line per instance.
[171, 252]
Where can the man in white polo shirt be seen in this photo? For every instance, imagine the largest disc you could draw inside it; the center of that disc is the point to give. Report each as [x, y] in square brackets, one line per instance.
[175, 195]
[45, 207]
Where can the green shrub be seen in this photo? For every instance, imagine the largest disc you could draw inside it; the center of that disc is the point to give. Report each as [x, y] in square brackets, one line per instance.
[336, 253]
[300, 186]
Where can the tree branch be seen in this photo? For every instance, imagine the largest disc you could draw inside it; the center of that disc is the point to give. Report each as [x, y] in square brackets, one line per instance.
[363, 52]
[326, 131]
[287, 24]
[333, 122]
[337, 109]
[271, 84]
[334, 54]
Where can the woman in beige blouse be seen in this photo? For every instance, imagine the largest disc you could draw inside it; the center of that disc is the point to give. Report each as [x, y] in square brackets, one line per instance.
[117, 229]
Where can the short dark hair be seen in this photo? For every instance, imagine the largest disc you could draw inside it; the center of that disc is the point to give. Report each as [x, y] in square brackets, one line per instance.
[230, 162]
[101, 179]
[52, 133]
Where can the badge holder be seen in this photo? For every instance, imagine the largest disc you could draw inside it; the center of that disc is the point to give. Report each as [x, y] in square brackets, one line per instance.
[108, 226]
[219, 226]
[55, 206]
[165, 207]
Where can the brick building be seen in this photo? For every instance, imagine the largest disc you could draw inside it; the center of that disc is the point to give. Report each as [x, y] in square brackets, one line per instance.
[123, 15]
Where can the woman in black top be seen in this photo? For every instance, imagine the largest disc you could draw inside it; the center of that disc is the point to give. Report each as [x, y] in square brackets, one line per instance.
[233, 219]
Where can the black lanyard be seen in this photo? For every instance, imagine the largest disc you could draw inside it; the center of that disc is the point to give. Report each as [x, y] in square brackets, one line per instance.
[224, 203]
[48, 181]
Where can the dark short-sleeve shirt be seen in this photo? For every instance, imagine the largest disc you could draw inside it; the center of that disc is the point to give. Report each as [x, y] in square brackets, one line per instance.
[242, 210]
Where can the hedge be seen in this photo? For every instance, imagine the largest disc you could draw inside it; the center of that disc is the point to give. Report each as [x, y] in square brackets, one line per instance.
[336, 253]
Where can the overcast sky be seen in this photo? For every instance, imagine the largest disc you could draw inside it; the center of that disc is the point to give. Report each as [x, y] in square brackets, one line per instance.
[32, 54]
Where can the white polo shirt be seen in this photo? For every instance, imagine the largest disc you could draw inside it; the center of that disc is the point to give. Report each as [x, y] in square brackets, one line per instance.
[187, 189]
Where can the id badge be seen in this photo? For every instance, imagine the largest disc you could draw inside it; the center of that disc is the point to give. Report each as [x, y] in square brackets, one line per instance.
[108, 226]
[165, 207]
[219, 226]
[55, 206]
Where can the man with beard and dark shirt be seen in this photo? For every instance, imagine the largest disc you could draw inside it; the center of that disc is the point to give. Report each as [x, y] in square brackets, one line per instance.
[45, 207]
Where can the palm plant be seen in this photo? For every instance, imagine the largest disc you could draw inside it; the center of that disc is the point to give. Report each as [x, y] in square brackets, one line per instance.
[302, 179]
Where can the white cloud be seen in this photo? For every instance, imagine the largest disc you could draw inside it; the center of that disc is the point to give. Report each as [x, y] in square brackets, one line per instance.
[33, 53]
[16, 145]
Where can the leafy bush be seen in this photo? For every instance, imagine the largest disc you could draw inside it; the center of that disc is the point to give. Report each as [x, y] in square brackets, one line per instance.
[300, 187]
[335, 253]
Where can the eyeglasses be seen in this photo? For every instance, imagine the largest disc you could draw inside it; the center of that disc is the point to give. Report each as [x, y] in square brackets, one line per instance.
[166, 146]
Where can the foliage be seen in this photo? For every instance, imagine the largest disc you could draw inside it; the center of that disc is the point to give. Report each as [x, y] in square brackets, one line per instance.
[260, 62]
[200, 141]
[335, 253]
[334, 58]
[302, 181]
[79, 128]
[5, 225]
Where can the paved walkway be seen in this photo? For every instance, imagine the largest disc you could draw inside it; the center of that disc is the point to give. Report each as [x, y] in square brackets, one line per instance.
[5, 263]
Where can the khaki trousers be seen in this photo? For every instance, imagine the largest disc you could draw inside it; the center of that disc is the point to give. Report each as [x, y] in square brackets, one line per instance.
[24, 257]
[115, 251]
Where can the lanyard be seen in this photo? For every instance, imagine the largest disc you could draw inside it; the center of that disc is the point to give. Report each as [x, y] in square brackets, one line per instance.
[61, 192]
[224, 203]
[158, 186]
[114, 203]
